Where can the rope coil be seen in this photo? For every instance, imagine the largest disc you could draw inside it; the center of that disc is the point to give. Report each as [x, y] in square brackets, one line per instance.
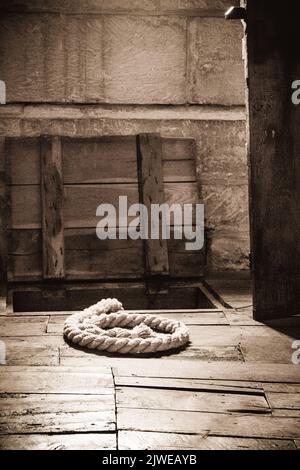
[106, 326]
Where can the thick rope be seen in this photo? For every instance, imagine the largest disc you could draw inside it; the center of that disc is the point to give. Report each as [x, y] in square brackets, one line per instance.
[105, 326]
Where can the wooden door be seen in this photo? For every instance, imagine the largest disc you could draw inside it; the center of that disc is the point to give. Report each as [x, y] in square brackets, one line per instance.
[273, 64]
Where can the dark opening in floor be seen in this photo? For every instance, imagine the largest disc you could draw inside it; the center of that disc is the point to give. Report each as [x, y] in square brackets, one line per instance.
[132, 298]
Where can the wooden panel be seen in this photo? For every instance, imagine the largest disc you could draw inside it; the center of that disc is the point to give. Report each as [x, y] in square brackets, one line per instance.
[88, 441]
[274, 145]
[88, 257]
[215, 66]
[52, 196]
[16, 379]
[149, 66]
[214, 423]
[113, 160]
[4, 211]
[25, 160]
[102, 160]
[149, 398]
[56, 413]
[137, 440]
[152, 192]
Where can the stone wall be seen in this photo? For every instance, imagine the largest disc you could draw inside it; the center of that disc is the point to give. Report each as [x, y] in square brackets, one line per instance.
[97, 67]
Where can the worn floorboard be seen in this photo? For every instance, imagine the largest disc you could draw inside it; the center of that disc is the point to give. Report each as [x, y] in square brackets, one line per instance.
[128, 440]
[233, 387]
[80, 441]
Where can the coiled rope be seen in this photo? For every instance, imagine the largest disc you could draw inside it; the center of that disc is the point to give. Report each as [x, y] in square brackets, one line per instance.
[106, 326]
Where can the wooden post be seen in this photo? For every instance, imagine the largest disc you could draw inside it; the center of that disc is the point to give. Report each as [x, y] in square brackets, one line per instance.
[52, 207]
[273, 63]
[152, 192]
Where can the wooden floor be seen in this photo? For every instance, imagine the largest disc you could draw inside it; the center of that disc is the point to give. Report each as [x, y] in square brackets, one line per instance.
[234, 387]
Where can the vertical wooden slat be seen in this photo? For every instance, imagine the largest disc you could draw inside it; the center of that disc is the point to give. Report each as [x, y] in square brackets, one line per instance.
[52, 208]
[7, 213]
[152, 192]
[3, 211]
[274, 146]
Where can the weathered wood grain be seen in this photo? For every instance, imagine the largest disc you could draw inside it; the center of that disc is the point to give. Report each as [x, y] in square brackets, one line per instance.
[219, 424]
[88, 257]
[217, 386]
[32, 350]
[159, 399]
[112, 159]
[129, 440]
[21, 405]
[277, 349]
[70, 357]
[151, 191]
[58, 422]
[3, 212]
[284, 401]
[273, 146]
[266, 372]
[65, 380]
[52, 196]
[88, 441]
[23, 326]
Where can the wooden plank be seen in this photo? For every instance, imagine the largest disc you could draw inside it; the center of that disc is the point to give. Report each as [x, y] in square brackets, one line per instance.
[24, 326]
[137, 440]
[152, 192]
[99, 160]
[32, 350]
[52, 194]
[79, 210]
[277, 349]
[36, 404]
[88, 441]
[97, 380]
[281, 387]
[273, 146]
[112, 159]
[71, 357]
[88, 257]
[25, 160]
[58, 422]
[4, 209]
[182, 400]
[266, 372]
[288, 401]
[219, 424]
[218, 386]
